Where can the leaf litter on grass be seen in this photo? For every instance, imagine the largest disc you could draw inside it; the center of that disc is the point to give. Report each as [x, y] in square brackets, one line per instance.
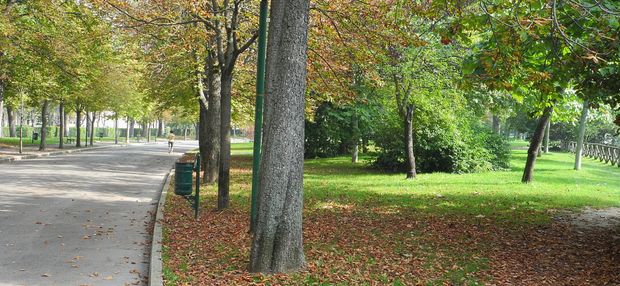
[358, 246]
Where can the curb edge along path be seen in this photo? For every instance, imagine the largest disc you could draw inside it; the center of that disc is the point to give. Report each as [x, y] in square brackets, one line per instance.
[64, 152]
[34, 156]
[156, 263]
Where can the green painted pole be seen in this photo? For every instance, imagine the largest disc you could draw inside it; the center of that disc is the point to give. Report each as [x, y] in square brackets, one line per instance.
[197, 196]
[258, 115]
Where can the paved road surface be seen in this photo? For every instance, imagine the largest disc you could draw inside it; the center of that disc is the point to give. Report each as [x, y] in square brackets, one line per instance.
[81, 219]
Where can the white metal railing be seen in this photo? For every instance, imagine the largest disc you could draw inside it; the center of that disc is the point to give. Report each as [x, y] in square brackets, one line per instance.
[601, 152]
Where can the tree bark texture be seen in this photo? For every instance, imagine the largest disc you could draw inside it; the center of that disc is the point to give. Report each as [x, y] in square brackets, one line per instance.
[277, 244]
[535, 144]
[213, 120]
[411, 171]
[223, 179]
[10, 116]
[44, 112]
[582, 133]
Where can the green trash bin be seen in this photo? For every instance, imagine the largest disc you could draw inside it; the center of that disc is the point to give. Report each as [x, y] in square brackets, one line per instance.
[183, 178]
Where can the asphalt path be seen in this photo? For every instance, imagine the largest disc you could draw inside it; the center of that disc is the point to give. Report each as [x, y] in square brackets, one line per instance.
[82, 218]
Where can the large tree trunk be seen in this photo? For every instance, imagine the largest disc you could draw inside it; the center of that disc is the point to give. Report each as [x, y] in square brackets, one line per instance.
[61, 115]
[277, 245]
[78, 128]
[223, 180]
[582, 133]
[535, 144]
[496, 122]
[213, 121]
[44, 111]
[411, 172]
[10, 116]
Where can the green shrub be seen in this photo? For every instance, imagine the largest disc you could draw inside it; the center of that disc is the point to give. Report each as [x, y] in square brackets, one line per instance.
[441, 145]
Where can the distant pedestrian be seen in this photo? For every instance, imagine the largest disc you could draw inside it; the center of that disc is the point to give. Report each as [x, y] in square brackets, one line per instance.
[171, 141]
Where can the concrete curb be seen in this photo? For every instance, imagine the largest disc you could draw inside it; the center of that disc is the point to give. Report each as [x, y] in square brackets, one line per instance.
[69, 151]
[35, 156]
[156, 264]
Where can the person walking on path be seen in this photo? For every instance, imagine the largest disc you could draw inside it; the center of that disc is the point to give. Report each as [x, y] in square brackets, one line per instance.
[171, 141]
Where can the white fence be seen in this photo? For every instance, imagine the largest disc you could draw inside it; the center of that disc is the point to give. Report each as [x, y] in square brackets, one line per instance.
[601, 152]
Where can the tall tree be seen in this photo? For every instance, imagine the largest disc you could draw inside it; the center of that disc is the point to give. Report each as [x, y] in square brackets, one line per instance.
[227, 34]
[277, 245]
[531, 51]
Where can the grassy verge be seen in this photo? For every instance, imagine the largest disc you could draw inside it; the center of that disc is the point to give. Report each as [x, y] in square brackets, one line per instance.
[364, 227]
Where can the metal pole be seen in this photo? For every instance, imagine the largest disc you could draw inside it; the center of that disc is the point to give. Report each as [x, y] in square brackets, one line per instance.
[197, 196]
[258, 115]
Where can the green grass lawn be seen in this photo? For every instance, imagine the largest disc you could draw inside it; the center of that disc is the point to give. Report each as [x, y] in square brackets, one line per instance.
[556, 186]
[336, 182]
[242, 148]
